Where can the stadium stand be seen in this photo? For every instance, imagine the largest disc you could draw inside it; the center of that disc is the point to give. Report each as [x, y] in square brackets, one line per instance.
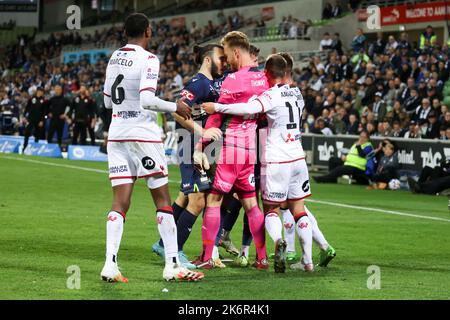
[368, 87]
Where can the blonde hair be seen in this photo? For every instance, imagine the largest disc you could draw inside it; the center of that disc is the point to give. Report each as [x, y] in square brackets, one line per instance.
[235, 39]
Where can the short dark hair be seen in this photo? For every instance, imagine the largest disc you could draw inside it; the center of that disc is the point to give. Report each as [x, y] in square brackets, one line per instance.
[200, 52]
[135, 25]
[289, 61]
[254, 50]
[276, 66]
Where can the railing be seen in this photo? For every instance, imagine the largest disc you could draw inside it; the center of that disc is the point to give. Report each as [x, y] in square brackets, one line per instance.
[388, 3]
[275, 33]
[305, 56]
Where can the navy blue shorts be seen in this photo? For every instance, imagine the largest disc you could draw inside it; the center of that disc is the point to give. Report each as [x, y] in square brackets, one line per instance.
[192, 180]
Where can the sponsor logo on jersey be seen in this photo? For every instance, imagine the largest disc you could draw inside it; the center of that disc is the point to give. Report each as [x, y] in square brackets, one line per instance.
[277, 195]
[127, 114]
[121, 62]
[187, 94]
[151, 75]
[160, 219]
[288, 225]
[289, 138]
[118, 169]
[258, 83]
[148, 163]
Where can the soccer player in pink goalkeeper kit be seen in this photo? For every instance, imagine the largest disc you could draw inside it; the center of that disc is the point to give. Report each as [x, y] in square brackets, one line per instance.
[235, 167]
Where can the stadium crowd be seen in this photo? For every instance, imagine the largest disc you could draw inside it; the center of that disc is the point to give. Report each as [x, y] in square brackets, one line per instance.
[30, 65]
[389, 87]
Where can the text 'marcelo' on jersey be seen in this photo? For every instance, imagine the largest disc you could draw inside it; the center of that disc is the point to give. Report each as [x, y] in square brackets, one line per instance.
[131, 70]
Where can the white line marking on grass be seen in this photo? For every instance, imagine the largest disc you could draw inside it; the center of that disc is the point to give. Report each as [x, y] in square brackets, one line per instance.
[343, 205]
[56, 164]
[335, 204]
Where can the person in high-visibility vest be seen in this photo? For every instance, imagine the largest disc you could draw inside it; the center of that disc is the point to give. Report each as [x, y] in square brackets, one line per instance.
[354, 163]
[428, 37]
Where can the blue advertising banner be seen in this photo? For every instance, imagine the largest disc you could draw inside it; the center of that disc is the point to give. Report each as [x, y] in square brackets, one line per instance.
[51, 150]
[87, 153]
[7, 146]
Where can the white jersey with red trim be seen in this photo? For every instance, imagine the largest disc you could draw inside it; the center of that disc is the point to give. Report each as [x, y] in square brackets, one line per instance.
[130, 70]
[281, 140]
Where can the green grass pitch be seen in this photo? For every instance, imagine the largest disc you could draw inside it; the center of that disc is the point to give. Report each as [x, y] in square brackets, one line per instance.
[54, 216]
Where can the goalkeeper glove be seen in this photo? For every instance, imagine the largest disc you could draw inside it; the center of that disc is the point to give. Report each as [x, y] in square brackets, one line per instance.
[201, 160]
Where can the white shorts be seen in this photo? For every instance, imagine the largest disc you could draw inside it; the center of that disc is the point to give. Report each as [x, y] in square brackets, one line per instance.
[128, 161]
[285, 181]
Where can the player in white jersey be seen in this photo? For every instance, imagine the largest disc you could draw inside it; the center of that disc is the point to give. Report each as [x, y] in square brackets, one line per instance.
[284, 174]
[327, 252]
[135, 149]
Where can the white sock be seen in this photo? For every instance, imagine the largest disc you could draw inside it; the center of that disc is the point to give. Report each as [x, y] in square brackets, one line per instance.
[289, 229]
[168, 232]
[114, 230]
[304, 231]
[318, 236]
[273, 226]
[244, 251]
[215, 253]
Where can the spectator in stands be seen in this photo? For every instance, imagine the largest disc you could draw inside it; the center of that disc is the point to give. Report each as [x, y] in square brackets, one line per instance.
[327, 11]
[336, 44]
[359, 41]
[413, 131]
[354, 163]
[379, 107]
[433, 127]
[321, 128]
[422, 111]
[326, 42]
[427, 38]
[336, 10]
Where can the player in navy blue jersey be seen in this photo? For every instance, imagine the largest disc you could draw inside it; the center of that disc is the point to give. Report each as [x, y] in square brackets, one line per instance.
[194, 181]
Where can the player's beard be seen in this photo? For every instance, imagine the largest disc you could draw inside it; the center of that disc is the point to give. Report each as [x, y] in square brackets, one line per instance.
[215, 71]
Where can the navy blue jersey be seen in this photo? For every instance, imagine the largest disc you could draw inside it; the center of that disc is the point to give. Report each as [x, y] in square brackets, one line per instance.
[197, 91]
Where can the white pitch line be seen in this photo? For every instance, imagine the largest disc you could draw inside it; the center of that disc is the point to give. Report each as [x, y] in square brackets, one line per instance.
[343, 205]
[335, 204]
[56, 164]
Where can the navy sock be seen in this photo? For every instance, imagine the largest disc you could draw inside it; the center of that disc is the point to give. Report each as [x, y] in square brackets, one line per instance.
[177, 210]
[184, 227]
[246, 234]
[230, 213]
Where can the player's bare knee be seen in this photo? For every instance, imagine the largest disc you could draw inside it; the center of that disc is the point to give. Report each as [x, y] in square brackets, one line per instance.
[214, 199]
[181, 200]
[196, 203]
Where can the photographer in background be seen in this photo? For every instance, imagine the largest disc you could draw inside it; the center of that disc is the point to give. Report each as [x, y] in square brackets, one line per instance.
[432, 180]
[386, 169]
[355, 163]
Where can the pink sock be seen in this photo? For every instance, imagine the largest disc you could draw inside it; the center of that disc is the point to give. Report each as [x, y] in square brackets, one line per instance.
[256, 223]
[210, 228]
